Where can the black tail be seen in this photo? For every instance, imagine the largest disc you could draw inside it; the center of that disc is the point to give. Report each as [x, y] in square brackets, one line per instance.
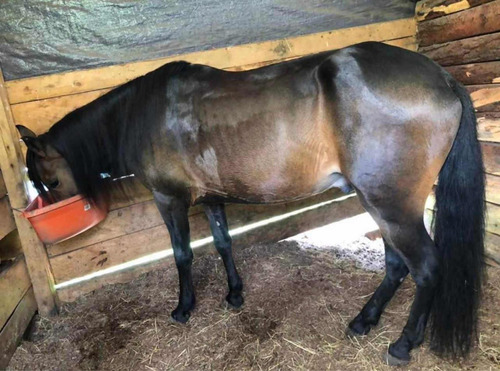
[459, 237]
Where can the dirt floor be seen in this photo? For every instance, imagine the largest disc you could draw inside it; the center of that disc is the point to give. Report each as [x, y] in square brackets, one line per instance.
[298, 304]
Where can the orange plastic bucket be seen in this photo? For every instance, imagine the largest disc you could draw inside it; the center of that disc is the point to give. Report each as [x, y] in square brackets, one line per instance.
[65, 219]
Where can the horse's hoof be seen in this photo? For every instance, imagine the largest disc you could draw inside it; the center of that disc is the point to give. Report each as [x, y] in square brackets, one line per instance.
[179, 317]
[357, 328]
[394, 361]
[234, 301]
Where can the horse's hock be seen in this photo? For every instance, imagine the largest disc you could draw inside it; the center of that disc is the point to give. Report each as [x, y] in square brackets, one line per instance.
[462, 36]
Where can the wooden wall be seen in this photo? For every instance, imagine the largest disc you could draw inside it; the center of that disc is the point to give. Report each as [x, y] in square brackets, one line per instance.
[17, 303]
[464, 37]
[134, 228]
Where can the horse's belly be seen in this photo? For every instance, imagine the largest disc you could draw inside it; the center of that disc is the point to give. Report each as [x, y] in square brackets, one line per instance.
[271, 181]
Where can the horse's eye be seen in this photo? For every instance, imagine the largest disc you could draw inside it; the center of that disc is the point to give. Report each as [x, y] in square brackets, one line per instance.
[54, 184]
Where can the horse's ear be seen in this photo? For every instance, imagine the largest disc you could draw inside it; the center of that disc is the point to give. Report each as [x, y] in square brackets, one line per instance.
[31, 140]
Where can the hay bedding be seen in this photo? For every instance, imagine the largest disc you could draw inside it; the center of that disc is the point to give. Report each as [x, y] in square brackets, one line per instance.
[298, 304]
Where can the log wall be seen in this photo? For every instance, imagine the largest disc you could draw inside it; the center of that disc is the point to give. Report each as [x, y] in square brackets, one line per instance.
[464, 37]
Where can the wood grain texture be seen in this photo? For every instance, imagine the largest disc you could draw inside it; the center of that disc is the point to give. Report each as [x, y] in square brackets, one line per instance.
[3, 188]
[107, 77]
[492, 246]
[493, 189]
[11, 159]
[430, 9]
[14, 283]
[475, 21]
[474, 49]
[476, 73]
[488, 127]
[484, 95]
[125, 248]
[13, 331]
[38, 266]
[7, 223]
[491, 157]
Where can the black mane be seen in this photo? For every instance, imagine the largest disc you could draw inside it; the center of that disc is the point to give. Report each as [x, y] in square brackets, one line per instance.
[106, 135]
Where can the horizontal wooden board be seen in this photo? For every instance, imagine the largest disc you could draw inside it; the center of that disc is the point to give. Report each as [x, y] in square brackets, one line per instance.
[483, 95]
[430, 9]
[40, 115]
[475, 21]
[492, 246]
[493, 189]
[475, 49]
[476, 73]
[106, 77]
[14, 283]
[491, 157]
[7, 223]
[493, 218]
[13, 331]
[123, 249]
[488, 127]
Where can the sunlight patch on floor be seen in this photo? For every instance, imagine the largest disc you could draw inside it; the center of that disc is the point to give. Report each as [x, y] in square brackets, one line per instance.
[347, 239]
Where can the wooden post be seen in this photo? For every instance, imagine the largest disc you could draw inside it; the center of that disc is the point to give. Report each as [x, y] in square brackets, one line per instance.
[12, 166]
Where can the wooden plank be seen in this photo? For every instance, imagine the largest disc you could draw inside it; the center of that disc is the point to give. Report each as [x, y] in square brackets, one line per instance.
[40, 115]
[3, 188]
[10, 246]
[492, 246]
[14, 283]
[137, 217]
[493, 218]
[13, 331]
[38, 266]
[476, 73]
[488, 127]
[491, 157]
[476, 21]
[126, 248]
[483, 95]
[7, 223]
[12, 165]
[430, 9]
[11, 159]
[475, 49]
[493, 189]
[43, 87]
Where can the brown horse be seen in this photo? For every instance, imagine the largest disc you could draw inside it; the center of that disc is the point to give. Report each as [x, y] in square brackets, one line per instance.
[375, 118]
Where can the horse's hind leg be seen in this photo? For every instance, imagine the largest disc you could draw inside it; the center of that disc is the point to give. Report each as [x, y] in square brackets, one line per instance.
[408, 242]
[174, 212]
[218, 225]
[395, 273]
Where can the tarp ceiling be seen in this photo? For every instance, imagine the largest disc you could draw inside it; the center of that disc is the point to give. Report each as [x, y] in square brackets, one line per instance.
[42, 37]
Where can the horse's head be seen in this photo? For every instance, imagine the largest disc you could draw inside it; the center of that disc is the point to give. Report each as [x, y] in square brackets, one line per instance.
[46, 167]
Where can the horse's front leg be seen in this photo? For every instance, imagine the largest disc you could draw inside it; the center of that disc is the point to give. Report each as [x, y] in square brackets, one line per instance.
[218, 224]
[174, 211]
